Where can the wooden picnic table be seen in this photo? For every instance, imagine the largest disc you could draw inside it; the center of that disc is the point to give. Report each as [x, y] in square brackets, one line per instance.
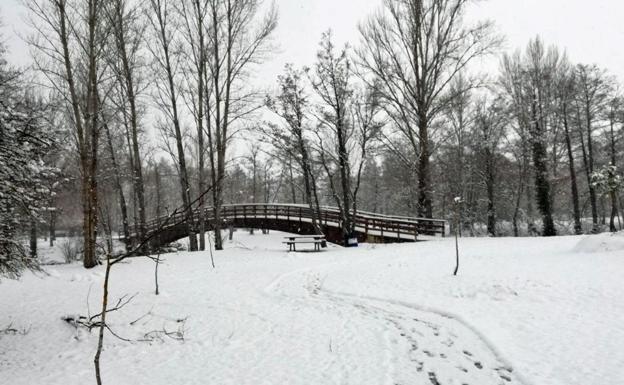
[293, 240]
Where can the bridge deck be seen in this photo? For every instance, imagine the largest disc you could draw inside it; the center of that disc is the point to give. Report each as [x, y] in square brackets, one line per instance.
[298, 219]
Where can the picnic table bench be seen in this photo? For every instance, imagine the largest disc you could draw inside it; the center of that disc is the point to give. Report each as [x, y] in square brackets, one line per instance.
[318, 241]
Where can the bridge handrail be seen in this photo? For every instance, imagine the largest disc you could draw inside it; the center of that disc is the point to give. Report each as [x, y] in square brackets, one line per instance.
[363, 219]
[361, 213]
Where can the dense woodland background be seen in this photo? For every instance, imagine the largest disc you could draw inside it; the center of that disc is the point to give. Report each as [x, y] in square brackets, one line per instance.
[134, 109]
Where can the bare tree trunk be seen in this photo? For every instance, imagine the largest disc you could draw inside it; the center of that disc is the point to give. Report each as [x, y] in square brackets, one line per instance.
[514, 221]
[592, 190]
[425, 207]
[578, 227]
[157, 263]
[490, 184]
[85, 116]
[158, 187]
[541, 175]
[200, 125]
[161, 26]
[106, 226]
[254, 178]
[98, 353]
[128, 86]
[309, 181]
[590, 170]
[201, 220]
[236, 43]
[135, 217]
[457, 227]
[118, 186]
[52, 227]
[291, 181]
[33, 237]
[612, 192]
[195, 32]
[217, 140]
[92, 129]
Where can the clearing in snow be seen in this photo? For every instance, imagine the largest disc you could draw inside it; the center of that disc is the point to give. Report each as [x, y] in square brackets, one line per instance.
[521, 311]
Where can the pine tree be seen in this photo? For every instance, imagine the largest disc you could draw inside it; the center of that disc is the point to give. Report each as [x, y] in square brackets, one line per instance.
[24, 142]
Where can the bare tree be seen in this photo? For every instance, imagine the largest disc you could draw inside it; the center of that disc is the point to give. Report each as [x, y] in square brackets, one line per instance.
[566, 94]
[253, 161]
[117, 176]
[347, 128]
[614, 116]
[69, 43]
[194, 14]
[458, 169]
[166, 64]
[128, 30]
[415, 48]
[592, 90]
[292, 105]
[237, 36]
[490, 125]
[529, 82]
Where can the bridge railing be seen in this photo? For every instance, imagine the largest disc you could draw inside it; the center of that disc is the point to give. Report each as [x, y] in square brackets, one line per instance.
[365, 222]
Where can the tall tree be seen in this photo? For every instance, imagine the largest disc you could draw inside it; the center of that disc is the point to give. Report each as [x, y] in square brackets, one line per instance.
[565, 97]
[614, 115]
[490, 124]
[166, 63]
[69, 41]
[347, 128]
[529, 82]
[127, 27]
[194, 15]
[237, 36]
[457, 167]
[292, 105]
[592, 90]
[117, 179]
[415, 48]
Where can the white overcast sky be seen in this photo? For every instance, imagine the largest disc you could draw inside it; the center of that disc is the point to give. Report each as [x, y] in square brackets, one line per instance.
[590, 31]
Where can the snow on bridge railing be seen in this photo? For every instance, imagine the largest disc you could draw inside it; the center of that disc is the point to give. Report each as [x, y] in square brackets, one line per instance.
[360, 213]
[364, 221]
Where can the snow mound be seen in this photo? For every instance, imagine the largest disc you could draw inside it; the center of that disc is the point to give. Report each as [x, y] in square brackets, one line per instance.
[600, 243]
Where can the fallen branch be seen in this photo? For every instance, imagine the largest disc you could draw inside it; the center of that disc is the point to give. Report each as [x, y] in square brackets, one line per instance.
[10, 330]
[177, 335]
[90, 322]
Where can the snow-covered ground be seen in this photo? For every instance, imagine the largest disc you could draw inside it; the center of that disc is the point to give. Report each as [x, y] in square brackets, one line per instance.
[521, 311]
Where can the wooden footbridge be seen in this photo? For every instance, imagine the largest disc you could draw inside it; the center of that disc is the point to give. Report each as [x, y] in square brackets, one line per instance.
[297, 219]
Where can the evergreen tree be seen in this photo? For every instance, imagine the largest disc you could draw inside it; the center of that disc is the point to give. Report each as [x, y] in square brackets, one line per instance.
[24, 142]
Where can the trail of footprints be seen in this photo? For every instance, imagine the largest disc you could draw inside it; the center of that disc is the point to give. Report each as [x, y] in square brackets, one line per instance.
[437, 352]
[445, 345]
